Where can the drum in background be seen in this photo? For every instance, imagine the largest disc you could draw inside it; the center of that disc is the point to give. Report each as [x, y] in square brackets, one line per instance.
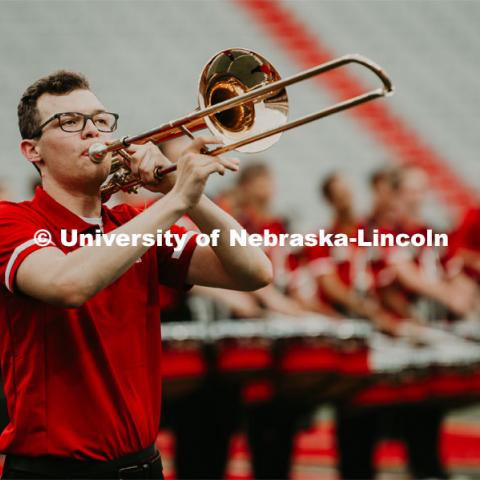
[313, 358]
[353, 372]
[184, 360]
[306, 357]
[317, 359]
[242, 349]
[441, 368]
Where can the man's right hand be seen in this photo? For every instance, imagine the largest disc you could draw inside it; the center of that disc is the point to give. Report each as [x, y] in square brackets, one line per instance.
[194, 168]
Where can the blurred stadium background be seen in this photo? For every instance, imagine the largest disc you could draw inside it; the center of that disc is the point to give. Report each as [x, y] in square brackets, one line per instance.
[144, 58]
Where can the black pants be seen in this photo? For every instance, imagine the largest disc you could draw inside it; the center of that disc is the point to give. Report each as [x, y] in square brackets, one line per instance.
[418, 426]
[356, 434]
[422, 427]
[271, 431]
[203, 423]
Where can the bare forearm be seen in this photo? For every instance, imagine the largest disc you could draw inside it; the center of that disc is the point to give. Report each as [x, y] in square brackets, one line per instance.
[413, 279]
[338, 293]
[276, 301]
[394, 301]
[243, 263]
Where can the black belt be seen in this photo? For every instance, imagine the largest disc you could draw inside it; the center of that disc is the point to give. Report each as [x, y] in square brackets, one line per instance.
[134, 465]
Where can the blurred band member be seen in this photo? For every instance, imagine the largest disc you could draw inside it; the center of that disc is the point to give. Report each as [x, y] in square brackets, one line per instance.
[255, 190]
[342, 273]
[416, 273]
[403, 277]
[343, 281]
[271, 421]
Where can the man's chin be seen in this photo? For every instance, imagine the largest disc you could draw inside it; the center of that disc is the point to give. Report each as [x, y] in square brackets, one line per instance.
[91, 183]
[98, 172]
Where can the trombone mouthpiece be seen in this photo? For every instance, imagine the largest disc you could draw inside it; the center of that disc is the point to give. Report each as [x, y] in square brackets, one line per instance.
[97, 152]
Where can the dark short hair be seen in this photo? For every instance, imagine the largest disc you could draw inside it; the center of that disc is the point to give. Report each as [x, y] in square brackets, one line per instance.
[57, 83]
[380, 175]
[326, 184]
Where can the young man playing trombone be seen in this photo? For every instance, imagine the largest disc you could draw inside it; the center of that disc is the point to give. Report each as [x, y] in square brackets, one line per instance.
[80, 344]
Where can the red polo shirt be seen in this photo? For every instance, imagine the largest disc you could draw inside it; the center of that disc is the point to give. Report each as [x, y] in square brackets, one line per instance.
[349, 262]
[467, 237]
[81, 382]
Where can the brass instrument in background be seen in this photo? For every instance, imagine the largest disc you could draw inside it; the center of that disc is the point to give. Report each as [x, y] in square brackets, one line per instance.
[243, 101]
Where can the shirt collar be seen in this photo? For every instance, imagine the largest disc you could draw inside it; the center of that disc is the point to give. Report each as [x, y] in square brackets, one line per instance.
[60, 215]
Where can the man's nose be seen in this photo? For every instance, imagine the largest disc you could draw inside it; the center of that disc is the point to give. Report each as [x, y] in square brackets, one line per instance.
[90, 130]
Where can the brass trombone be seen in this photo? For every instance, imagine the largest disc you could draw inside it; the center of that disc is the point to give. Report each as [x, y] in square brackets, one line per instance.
[243, 101]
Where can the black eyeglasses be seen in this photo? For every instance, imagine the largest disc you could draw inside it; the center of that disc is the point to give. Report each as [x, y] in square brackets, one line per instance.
[75, 122]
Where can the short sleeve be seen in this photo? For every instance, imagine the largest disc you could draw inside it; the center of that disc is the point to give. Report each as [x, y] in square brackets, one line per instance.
[17, 240]
[174, 261]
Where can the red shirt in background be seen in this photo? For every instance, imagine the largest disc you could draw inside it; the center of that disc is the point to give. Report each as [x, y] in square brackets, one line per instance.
[349, 262]
[467, 237]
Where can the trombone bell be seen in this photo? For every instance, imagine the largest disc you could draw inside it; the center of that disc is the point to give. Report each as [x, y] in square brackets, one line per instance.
[232, 73]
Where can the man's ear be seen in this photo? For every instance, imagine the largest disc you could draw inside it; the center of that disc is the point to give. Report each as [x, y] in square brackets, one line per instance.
[30, 151]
